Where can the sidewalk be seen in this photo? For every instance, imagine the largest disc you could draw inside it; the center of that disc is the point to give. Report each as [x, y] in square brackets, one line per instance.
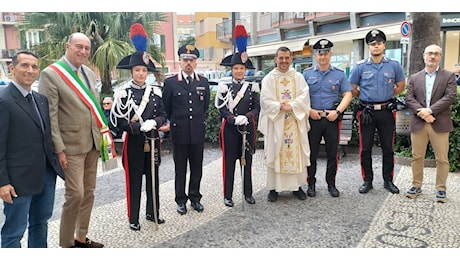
[378, 219]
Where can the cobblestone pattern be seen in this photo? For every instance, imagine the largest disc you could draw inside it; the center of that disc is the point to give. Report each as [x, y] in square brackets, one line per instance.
[353, 220]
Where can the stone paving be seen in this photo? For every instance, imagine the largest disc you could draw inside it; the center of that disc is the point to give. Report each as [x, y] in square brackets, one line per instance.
[374, 220]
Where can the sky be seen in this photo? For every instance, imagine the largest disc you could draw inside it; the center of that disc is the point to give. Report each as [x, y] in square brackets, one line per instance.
[182, 6]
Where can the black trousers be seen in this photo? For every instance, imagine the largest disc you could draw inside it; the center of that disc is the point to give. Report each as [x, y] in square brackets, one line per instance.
[135, 187]
[330, 131]
[231, 152]
[384, 121]
[193, 154]
[137, 164]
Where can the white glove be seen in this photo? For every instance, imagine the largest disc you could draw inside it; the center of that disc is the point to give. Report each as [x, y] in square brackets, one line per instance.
[148, 125]
[241, 120]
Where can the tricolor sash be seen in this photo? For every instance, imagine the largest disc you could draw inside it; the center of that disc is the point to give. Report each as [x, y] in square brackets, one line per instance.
[107, 146]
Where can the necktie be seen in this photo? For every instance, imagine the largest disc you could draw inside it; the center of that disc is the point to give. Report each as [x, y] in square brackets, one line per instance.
[189, 79]
[79, 75]
[35, 113]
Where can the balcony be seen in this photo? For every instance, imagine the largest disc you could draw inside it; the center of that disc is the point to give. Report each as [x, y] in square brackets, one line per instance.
[324, 17]
[224, 30]
[289, 20]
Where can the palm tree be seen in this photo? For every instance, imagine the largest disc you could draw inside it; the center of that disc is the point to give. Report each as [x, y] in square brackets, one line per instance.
[108, 32]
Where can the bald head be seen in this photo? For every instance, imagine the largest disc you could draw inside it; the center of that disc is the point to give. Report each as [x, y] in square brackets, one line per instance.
[78, 48]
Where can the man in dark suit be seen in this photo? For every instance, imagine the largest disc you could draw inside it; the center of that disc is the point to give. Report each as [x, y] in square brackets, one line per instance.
[430, 94]
[186, 98]
[28, 165]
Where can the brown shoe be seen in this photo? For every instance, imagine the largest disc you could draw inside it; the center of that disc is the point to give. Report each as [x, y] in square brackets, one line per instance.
[88, 244]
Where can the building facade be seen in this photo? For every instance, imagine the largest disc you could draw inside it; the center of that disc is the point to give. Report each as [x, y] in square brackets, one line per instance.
[300, 30]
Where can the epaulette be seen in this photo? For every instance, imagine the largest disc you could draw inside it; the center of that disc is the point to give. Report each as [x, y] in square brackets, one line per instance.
[361, 61]
[309, 68]
[120, 92]
[170, 75]
[157, 91]
[222, 87]
[338, 68]
[255, 87]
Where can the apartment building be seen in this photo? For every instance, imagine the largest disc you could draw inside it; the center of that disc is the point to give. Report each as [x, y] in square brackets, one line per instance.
[300, 30]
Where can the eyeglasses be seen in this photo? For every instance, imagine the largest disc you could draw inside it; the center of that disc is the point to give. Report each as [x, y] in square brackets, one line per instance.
[436, 54]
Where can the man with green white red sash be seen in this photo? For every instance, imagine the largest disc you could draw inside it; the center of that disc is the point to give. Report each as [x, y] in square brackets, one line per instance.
[77, 125]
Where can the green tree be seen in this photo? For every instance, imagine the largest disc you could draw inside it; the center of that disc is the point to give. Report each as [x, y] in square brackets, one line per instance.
[108, 32]
[189, 40]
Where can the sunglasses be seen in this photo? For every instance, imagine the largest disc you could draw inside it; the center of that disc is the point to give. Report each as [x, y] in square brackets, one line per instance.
[106, 103]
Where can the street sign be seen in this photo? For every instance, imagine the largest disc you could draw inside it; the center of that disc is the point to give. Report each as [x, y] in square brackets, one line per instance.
[404, 40]
[405, 29]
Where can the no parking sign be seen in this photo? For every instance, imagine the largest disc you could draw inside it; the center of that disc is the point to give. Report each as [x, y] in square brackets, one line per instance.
[405, 29]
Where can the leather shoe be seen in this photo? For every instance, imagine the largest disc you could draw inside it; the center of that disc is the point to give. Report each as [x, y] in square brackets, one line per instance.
[311, 191]
[181, 208]
[88, 244]
[272, 196]
[333, 191]
[250, 199]
[366, 187]
[391, 187]
[135, 227]
[228, 202]
[300, 194]
[151, 218]
[196, 205]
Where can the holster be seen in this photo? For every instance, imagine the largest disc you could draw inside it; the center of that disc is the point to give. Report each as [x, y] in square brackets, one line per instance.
[367, 114]
[356, 107]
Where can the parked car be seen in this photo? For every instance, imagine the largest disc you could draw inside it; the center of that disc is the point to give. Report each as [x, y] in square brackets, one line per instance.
[4, 83]
[99, 84]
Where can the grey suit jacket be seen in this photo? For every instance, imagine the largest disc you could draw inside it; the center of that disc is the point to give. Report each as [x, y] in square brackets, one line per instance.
[442, 97]
[25, 149]
[73, 127]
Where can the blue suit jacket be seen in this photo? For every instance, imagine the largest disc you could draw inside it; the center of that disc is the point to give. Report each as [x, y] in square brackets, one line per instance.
[25, 150]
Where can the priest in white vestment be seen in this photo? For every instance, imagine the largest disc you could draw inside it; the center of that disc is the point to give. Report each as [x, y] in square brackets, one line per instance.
[285, 107]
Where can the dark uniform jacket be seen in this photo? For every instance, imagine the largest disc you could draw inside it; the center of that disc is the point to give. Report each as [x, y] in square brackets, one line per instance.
[25, 149]
[186, 107]
[248, 106]
[135, 139]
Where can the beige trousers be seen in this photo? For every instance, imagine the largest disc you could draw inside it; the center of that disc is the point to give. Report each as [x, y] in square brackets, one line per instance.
[80, 183]
[440, 144]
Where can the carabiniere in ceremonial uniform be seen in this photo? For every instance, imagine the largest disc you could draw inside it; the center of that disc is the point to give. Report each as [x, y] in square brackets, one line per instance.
[135, 106]
[239, 105]
[186, 98]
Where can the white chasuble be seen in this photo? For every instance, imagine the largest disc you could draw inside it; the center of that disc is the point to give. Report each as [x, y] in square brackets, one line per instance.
[289, 156]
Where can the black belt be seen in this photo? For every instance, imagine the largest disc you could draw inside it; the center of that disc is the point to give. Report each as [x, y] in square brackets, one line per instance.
[324, 113]
[375, 105]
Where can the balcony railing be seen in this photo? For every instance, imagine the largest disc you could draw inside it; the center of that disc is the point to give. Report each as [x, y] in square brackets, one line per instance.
[289, 20]
[224, 30]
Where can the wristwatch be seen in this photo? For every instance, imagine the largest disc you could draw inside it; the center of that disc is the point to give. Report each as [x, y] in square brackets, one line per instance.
[338, 112]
